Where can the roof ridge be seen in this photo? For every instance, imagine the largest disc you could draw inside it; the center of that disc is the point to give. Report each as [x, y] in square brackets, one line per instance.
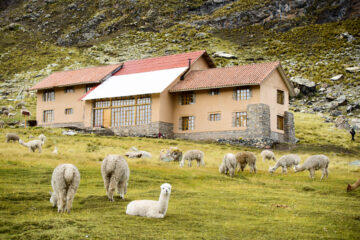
[71, 70]
[177, 54]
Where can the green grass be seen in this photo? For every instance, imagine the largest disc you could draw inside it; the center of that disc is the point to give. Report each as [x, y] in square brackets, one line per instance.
[203, 203]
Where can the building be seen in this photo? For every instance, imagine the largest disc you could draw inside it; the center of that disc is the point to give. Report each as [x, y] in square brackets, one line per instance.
[181, 96]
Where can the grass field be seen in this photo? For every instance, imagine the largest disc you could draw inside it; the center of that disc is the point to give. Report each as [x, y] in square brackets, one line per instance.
[203, 203]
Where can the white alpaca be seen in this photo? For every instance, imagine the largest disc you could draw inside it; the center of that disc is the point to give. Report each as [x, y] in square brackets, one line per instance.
[137, 153]
[65, 182]
[42, 138]
[314, 163]
[32, 145]
[115, 172]
[151, 208]
[55, 151]
[285, 162]
[267, 154]
[228, 164]
[193, 155]
[11, 115]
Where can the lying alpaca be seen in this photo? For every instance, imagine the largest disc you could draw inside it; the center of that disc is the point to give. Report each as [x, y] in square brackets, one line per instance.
[314, 163]
[115, 172]
[11, 137]
[228, 164]
[65, 182]
[267, 154]
[286, 161]
[151, 208]
[170, 154]
[32, 145]
[193, 155]
[354, 186]
[245, 158]
[137, 153]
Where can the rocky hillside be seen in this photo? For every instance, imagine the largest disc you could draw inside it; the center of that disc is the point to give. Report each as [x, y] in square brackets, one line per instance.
[315, 40]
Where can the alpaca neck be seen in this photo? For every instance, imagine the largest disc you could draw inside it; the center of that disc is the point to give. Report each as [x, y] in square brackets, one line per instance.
[24, 143]
[301, 168]
[163, 203]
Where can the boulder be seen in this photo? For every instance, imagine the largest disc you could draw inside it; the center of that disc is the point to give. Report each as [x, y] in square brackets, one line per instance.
[337, 77]
[347, 36]
[224, 55]
[342, 122]
[335, 113]
[355, 123]
[353, 69]
[306, 86]
[341, 100]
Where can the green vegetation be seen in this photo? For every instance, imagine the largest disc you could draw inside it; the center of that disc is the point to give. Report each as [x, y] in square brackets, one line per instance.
[203, 203]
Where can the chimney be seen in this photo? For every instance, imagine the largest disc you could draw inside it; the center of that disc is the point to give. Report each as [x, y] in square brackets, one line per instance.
[187, 70]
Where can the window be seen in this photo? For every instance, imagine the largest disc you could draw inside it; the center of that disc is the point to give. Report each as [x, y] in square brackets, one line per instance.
[242, 94]
[214, 92]
[280, 122]
[69, 90]
[214, 117]
[239, 119]
[187, 98]
[88, 88]
[68, 111]
[187, 123]
[102, 104]
[280, 97]
[49, 95]
[48, 116]
[98, 117]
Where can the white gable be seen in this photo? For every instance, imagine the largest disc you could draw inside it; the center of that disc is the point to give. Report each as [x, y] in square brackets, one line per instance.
[135, 84]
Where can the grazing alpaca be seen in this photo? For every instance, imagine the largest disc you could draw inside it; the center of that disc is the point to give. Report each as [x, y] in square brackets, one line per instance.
[151, 208]
[10, 115]
[354, 186]
[11, 137]
[32, 145]
[65, 182]
[285, 162]
[228, 164]
[2, 124]
[314, 163]
[115, 172]
[244, 158]
[267, 154]
[193, 155]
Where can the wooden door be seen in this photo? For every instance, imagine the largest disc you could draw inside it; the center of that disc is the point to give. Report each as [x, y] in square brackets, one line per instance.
[107, 118]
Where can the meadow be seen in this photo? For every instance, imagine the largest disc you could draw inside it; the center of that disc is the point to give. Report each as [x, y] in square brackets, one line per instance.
[203, 203]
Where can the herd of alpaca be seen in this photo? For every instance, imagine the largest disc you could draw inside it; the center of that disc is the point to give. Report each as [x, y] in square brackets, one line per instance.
[115, 173]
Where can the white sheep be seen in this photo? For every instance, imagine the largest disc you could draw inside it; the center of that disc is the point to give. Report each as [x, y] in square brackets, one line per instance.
[151, 208]
[228, 164]
[193, 155]
[32, 145]
[314, 163]
[42, 138]
[267, 154]
[65, 182]
[286, 161]
[115, 172]
[11, 137]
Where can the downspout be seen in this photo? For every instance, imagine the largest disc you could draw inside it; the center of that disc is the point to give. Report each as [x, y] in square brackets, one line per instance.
[187, 70]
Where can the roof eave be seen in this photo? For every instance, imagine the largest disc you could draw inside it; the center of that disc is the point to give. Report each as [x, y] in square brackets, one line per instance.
[214, 87]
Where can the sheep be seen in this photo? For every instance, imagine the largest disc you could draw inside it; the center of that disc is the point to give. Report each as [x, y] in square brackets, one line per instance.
[245, 158]
[354, 186]
[55, 151]
[193, 155]
[12, 137]
[267, 154]
[313, 163]
[115, 172]
[32, 145]
[228, 164]
[286, 161]
[11, 115]
[65, 182]
[2, 124]
[42, 138]
[151, 208]
[170, 154]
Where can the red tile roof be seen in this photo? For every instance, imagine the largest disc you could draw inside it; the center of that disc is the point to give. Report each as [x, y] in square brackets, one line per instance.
[75, 77]
[252, 74]
[163, 62]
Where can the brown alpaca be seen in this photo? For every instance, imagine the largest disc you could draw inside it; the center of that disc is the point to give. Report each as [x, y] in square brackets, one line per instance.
[354, 186]
[244, 158]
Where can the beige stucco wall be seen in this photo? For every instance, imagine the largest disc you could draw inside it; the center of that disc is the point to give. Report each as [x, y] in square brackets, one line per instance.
[62, 101]
[268, 95]
[206, 104]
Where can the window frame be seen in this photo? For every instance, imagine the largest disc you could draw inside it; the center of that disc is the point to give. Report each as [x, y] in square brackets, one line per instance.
[239, 119]
[280, 97]
[187, 123]
[214, 116]
[214, 92]
[49, 95]
[280, 122]
[69, 111]
[242, 93]
[46, 116]
[187, 98]
[69, 90]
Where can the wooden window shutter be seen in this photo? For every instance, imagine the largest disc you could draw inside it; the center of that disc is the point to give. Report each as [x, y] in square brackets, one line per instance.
[180, 123]
[233, 119]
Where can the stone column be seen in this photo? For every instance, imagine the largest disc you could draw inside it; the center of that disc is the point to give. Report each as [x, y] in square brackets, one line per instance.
[258, 121]
[289, 127]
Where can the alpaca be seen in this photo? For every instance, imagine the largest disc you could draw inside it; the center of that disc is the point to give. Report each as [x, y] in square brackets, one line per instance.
[55, 151]
[42, 138]
[286, 161]
[32, 145]
[65, 182]
[151, 208]
[245, 158]
[115, 172]
[137, 153]
[5, 112]
[267, 154]
[314, 163]
[12, 137]
[228, 164]
[354, 186]
[170, 154]
[2, 124]
[193, 155]
[11, 115]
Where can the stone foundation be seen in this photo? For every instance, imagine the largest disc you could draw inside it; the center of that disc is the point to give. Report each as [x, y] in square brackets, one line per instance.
[64, 125]
[151, 129]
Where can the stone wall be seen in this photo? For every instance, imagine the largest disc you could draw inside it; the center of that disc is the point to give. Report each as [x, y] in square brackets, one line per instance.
[258, 123]
[60, 125]
[289, 127]
[151, 129]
